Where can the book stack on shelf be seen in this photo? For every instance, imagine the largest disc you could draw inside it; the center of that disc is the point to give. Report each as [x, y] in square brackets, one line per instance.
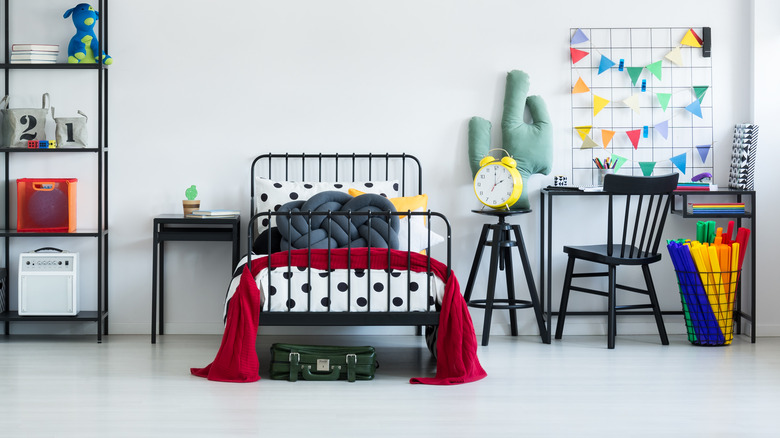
[730, 208]
[214, 213]
[697, 186]
[743, 156]
[34, 53]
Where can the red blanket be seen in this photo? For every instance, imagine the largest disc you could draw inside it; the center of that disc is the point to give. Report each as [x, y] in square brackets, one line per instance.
[456, 346]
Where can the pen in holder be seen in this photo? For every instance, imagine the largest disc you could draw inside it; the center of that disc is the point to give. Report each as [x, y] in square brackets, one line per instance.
[604, 167]
[603, 173]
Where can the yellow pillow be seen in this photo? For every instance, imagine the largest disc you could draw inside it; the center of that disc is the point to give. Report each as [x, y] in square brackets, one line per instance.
[403, 204]
[416, 227]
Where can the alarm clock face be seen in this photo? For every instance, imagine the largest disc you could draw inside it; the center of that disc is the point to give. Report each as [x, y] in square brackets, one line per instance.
[494, 185]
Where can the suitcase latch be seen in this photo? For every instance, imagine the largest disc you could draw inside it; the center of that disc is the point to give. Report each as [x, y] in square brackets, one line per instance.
[323, 364]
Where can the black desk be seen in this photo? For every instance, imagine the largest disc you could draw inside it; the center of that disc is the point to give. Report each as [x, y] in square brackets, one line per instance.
[545, 246]
[176, 227]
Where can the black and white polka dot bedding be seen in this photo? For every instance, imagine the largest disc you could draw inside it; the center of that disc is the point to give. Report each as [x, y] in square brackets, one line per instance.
[271, 195]
[298, 289]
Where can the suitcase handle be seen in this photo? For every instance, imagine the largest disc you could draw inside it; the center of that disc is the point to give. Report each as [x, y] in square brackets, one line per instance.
[332, 375]
[309, 375]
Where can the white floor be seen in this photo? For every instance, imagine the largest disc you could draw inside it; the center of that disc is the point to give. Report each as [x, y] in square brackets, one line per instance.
[126, 387]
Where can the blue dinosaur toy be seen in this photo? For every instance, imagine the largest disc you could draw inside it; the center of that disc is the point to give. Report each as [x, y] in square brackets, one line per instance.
[84, 44]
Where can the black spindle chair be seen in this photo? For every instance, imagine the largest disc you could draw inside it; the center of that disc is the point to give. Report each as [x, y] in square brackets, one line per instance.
[647, 202]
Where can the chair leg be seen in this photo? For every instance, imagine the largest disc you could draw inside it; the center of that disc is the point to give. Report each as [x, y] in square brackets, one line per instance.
[564, 298]
[612, 311]
[659, 320]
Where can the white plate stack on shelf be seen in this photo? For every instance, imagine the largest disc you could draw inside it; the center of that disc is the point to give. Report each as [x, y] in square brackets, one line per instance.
[743, 156]
[34, 53]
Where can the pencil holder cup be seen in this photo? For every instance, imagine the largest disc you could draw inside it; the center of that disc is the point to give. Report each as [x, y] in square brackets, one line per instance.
[708, 305]
[560, 181]
[603, 173]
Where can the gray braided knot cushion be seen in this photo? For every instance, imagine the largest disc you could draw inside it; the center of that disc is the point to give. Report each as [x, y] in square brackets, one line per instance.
[341, 231]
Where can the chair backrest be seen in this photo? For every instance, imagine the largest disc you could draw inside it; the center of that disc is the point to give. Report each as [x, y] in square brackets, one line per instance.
[647, 203]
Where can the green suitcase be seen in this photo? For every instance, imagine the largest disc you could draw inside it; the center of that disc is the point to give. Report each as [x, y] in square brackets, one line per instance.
[322, 362]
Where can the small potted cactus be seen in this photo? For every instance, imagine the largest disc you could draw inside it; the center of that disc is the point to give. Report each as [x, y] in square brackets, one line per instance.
[190, 204]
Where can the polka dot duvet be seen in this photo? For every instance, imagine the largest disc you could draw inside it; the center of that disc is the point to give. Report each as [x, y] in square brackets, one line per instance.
[301, 289]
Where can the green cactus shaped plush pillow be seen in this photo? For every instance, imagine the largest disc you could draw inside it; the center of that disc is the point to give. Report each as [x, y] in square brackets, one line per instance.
[530, 144]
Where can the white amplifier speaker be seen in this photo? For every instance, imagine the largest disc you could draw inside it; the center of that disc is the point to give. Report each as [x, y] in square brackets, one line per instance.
[48, 283]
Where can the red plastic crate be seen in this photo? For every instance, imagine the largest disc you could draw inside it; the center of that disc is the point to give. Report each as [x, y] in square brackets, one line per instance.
[46, 205]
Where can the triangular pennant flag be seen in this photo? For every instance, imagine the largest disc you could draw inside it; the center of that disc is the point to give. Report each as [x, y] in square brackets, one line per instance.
[577, 54]
[698, 38]
[633, 73]
[663, 99]
[632, 102]
[583, 130]
[618, 160]
[605, 64]
[606, 136]
[695, 108]
[704, 150]
[580, 87]
[634, 136]
[700, 91]
[675, 56]
[691, 39]
[663, 129]
[655, 69]
[588, 143]
[579, 37]
[647, 167]
[679, 161]
[598, 104]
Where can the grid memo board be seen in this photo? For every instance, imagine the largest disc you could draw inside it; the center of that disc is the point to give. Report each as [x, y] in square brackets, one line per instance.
[641, 97]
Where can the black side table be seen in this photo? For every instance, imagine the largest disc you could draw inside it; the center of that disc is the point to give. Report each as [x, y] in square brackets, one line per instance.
[177, 227]
[501, 258]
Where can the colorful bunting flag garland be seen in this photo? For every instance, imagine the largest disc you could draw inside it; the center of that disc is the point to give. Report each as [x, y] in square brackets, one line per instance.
[605, 64]
[663, 99]
[577, 55]
[606, 136]
[691, 39]
[647, 167]
[694, 108]
[579, 37]
[598, 104]
[580, 87]
[674, 56]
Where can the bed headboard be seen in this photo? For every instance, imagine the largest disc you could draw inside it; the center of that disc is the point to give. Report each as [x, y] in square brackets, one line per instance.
[274, 177]
[339, 168]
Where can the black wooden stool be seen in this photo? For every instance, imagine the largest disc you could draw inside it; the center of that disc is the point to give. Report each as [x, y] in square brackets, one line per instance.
[501, 258]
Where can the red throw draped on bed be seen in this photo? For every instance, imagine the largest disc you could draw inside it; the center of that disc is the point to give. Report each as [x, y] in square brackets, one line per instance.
[456, 346]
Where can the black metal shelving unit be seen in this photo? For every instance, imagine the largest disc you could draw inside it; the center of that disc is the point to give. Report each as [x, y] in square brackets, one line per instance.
[100, 316]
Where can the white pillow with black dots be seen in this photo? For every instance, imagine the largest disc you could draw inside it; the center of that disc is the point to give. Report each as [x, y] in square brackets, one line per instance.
[271, 195]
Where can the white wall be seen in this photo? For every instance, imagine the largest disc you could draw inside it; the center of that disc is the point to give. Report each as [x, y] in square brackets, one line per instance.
[766, 97]
[198, 88]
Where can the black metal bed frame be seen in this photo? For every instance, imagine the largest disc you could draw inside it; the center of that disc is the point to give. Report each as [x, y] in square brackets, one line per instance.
[310, 167]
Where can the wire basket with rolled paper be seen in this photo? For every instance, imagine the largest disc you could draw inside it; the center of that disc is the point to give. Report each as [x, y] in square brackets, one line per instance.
[708, 277]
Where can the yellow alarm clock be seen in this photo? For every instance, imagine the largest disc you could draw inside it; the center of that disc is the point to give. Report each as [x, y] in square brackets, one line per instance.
[497, 183]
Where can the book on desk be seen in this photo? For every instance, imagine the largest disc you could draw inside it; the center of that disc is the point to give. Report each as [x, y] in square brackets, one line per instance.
[214, 213]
